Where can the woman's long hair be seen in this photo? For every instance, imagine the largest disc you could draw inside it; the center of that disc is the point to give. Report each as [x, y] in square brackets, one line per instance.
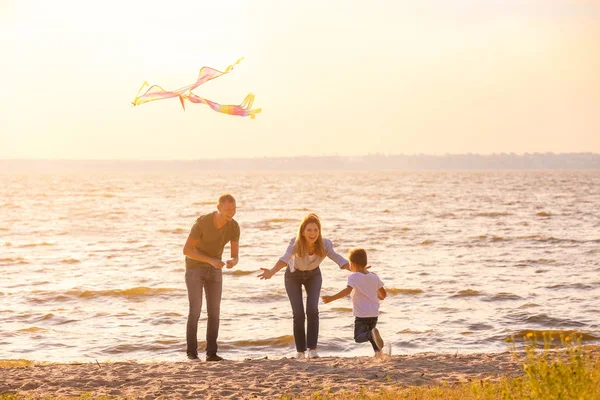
[301, 247]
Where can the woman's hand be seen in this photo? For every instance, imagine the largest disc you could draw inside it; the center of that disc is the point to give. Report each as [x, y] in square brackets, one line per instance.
[266, 273]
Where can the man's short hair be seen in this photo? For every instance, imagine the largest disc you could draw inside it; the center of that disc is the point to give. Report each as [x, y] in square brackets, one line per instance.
[226, 198]
[358, 257]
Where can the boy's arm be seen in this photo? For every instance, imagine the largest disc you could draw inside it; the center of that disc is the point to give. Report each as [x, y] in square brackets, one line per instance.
[342, 293]
[381, 293]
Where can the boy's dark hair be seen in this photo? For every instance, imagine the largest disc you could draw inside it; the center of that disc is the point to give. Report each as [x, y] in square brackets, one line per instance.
[358, 257]
[226, 198]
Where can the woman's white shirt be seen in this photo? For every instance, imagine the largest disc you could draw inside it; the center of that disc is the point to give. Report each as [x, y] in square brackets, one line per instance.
[310, 262]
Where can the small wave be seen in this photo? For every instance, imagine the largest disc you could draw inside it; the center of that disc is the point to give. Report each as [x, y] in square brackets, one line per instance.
[204, 203]
[272, 223]
[69, 261]
[342, 309]
[553, 334]
[394, 291]
[493, 214]
[537, 261]
[173, 231]
[46, 317]
[529, 305]
[239, 272]
[265, 297]
[36, 244]
[467, 293]
[409, 331]
[9, 205]
[427, 242]
[446, 215]
[279, 220]
[504, 296]
[135, 292]
[543, 214]
[128, 348]
[277, 342]
[16, 260]
[546, 320]
[579, 286]
[7, 244]
[32, 329]
[480, 327]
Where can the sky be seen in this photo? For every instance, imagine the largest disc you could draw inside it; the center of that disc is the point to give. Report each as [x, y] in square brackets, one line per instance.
[336, 77]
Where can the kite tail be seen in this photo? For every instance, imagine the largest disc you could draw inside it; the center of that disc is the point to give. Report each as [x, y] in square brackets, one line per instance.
[242, 110]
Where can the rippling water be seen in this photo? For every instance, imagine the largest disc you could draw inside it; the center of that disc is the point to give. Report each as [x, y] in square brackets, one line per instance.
[92, 264]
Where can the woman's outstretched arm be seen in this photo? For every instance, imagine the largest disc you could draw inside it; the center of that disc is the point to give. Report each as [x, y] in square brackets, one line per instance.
[282, 262]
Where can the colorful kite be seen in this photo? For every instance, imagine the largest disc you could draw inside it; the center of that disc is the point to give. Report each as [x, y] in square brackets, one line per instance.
[155, 92]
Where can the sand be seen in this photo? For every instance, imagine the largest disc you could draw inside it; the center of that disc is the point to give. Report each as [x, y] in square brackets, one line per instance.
[264, 378]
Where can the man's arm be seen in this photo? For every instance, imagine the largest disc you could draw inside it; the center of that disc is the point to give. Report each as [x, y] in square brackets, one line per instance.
[235, 251]
[381, 293]
[342, 293]
[189, 250]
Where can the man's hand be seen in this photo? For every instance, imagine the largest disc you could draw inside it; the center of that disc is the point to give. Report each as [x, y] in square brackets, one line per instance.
[218, 264]
[266, 273]
[232, 262]
[327, 299]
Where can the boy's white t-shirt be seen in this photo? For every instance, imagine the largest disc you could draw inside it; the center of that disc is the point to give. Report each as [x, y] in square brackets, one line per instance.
[365, 303]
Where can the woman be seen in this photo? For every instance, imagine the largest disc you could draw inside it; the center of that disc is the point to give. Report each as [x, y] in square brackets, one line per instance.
[302, 258]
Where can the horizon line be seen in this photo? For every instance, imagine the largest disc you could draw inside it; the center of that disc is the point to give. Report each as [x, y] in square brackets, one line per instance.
[512, 154]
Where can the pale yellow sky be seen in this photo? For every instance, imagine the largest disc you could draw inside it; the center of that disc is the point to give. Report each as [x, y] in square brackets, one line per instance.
[333, 77]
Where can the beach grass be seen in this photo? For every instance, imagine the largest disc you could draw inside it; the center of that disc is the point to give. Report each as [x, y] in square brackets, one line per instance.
[15, 363]
[566, 370]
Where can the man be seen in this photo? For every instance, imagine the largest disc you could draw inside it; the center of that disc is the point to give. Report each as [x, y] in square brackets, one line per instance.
[203, 251]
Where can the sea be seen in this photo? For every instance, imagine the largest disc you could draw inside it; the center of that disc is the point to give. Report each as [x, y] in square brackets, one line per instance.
[92, 267]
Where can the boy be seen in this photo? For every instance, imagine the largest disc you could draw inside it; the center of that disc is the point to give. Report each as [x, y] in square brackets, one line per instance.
[367, 289]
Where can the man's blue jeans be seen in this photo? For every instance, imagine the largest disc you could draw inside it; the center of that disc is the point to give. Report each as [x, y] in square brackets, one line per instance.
[209, 280]
[312, 281]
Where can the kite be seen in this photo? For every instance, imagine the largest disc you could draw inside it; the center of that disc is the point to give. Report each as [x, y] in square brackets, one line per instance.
[206, 74]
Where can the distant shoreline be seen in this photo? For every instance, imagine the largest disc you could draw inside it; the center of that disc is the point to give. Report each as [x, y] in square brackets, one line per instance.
[376, 162]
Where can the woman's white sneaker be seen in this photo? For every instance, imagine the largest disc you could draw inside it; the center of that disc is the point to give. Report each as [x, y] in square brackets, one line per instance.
[312, 353]
[299, 355]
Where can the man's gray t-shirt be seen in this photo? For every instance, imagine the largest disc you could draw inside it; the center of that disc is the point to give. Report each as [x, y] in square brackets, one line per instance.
[211, 241]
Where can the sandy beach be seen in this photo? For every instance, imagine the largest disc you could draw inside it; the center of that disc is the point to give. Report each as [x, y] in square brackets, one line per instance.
[264, 378]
